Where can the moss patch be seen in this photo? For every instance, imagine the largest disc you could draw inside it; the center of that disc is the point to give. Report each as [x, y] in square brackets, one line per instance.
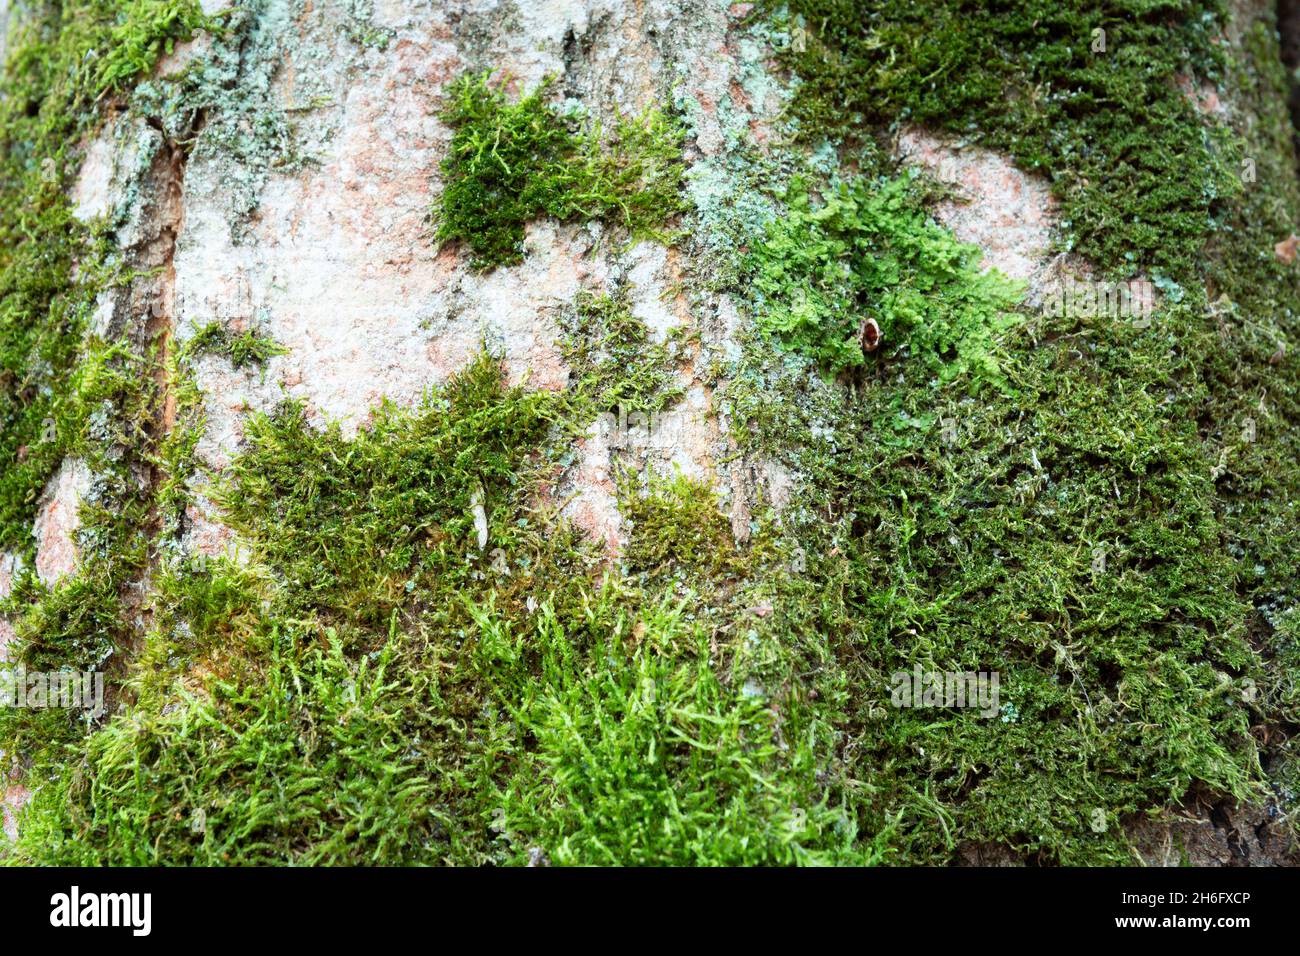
[241, 348]
[612, 359]
[65, 394]
[1084, 92]
[1082, 532]
[868, 252]
[60, 58]
[421, 663]
[510, 163]
[374, 687]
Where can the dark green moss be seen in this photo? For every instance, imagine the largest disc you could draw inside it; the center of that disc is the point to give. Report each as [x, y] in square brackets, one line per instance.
[1138, 173]
[1100, 532]
[1066, 539]
[1249, 412]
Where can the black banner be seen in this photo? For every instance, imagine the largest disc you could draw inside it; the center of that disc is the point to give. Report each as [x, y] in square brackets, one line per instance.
[142, 906]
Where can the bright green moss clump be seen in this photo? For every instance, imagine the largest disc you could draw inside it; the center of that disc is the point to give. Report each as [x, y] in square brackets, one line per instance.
[146, 30]
[869, 251]
[646, 756]
[513, 162]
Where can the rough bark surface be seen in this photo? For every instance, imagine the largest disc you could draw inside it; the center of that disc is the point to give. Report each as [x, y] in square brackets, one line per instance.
[297, 205]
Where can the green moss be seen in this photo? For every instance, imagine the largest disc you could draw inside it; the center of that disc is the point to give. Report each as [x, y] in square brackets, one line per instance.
[1137, 171]
[85, 620]
[374, 687]
[59, 58]
[613, 362]
[242, 348]
[1249, 412]
[1098, 531]
[145, 31]
[510, 163]
[1068, 537]
[366, 546]
[307, 756]
[869, 252]
[356, 542]
[66, 395]
[644, 756]
[677, 530]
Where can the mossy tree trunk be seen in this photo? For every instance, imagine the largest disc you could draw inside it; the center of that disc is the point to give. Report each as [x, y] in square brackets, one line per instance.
[570, 433]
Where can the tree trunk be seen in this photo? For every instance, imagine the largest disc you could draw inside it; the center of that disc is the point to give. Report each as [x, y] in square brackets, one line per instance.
[535, 412]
